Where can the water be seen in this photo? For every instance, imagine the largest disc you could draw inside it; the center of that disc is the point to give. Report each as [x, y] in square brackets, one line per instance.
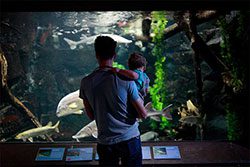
[50, 65]
[67, 66]
[54, 69]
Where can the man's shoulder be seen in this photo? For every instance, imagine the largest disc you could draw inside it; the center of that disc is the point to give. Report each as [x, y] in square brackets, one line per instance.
[87, 77]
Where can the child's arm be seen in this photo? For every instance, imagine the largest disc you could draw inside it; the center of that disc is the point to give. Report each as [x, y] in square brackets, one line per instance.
[147, 83]
[126, 73]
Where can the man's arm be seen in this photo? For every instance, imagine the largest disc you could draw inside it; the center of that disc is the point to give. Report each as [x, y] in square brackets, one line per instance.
[88, 109]
[138, 104]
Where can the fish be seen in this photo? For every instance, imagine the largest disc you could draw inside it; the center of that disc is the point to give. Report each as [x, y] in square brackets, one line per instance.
[156, 115]
[151, 135]
[87, 131]
[44, 37]
[70, 104]
[40, 131]
[42, 34]
[91, 39]
[91, 128]
[192, 120]
[190, 115]
[8, 119]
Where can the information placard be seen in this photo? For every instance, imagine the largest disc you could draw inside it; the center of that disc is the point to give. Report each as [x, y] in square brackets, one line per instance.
[146, 153]
[166, 152]
[50, 154]
[79, 154]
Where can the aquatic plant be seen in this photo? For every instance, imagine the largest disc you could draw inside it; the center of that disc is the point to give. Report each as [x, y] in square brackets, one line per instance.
[233, 129]
[158, 91]
[117, 65]
[234, 80]
[235, 77]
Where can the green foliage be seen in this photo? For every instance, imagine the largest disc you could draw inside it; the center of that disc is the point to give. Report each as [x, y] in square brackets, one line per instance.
[225, 44]
[226, 53]
[117, 65]
[158, 90]
[233, 130]
[164, 123]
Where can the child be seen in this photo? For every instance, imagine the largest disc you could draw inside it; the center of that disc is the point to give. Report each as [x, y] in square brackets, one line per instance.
[137, 66]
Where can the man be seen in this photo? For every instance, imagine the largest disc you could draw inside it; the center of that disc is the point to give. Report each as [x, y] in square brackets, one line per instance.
[106, 97]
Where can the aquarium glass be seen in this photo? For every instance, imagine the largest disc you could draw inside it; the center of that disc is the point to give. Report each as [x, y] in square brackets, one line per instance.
[48, 53]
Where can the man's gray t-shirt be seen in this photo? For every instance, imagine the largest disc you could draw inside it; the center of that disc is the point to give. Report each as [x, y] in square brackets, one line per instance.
[108, 96]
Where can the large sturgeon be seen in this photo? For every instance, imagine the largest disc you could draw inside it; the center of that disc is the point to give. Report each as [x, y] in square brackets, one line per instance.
[40, 131]
[70, 104]
[91, 39]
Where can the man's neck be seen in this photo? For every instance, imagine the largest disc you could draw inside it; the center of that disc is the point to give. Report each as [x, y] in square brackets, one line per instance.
[106, 63]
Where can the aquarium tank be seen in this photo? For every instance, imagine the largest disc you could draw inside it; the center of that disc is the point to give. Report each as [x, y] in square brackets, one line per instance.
[197, 63]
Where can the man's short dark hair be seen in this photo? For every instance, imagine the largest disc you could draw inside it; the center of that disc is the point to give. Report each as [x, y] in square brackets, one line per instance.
[136, 60]
[105, 47]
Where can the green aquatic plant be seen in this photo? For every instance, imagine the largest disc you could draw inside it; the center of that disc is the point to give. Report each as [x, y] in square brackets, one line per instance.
[234, 52]
[117, 65]
[226, 53]
[158, 91]
[233, 129]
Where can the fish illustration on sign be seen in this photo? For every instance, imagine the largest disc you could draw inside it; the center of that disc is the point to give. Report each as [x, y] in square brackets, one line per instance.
[156, 115]
[91, 39]
[40, 131]
[70, 104]
[88, 130]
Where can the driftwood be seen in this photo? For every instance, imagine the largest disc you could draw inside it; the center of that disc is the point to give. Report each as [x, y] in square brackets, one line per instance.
[201, 17]
[6, 93]
[192, 33]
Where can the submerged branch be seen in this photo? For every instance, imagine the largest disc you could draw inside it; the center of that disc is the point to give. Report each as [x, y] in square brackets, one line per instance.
[201, 17]
[12, 99]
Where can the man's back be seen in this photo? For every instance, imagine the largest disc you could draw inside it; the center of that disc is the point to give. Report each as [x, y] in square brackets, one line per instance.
[108, 96]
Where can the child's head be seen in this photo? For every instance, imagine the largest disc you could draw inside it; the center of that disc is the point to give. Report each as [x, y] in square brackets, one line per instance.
[136, 60]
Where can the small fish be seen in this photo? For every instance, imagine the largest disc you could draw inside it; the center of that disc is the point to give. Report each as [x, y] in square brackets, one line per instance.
[156, 115]
[42, 34]
[8, 119]
[59, 33]
[40, 131]
[88, 130]
[44, 37]
[151, 135]
[70, 104]
[91, 39]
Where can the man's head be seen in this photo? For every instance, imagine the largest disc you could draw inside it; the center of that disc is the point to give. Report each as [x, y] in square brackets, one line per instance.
[105, 47]
[136, 60]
